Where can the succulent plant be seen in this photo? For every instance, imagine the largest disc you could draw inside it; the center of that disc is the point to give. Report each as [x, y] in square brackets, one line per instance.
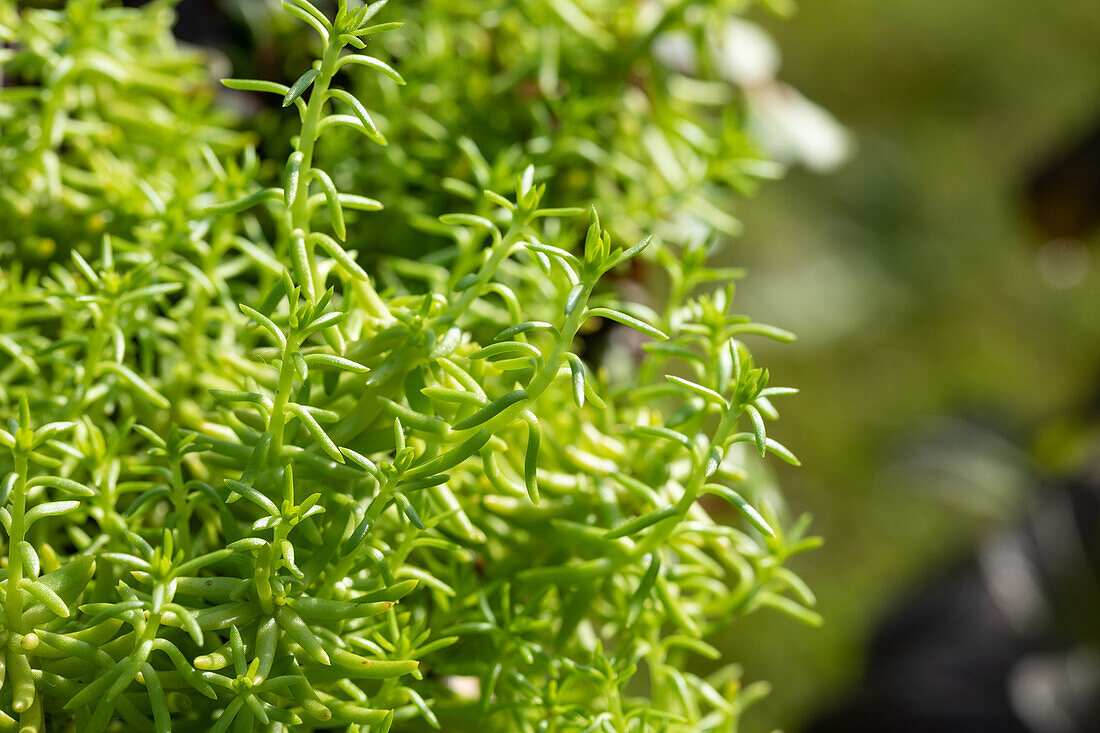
[256, 478]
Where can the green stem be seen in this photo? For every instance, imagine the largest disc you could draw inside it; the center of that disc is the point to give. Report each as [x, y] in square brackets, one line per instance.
[97, 342]
[547, 374]
[14, 597]
[276, 425]
[694, 485]
[396, 365]
[23, 695]
[343, 567]
[266, 567]
[500, 252]
[183, 509]
[300, 212]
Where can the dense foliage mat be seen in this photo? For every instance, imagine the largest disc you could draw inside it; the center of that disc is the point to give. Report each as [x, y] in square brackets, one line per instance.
[259, 476]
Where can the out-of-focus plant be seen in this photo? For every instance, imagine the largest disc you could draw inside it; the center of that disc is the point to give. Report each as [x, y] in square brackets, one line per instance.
[643, 106]
[104, 120]
[582, 89]
[249, 486]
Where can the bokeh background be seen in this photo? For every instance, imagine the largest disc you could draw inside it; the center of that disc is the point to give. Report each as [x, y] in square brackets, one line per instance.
[944, 286]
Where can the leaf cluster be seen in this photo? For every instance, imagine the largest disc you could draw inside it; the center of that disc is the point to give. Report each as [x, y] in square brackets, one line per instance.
[250, 483]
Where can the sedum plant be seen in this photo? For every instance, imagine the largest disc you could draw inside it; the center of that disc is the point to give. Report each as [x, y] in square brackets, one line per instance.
[635, 104]
[249, 484]
[629, 103]
[104, 120]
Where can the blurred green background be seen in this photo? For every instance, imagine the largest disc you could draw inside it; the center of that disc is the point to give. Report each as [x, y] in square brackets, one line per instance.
[944, 355]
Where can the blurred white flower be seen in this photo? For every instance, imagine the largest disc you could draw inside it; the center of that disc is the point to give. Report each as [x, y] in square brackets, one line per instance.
[745, 54]
[789, 128]
[792, 129]
[676, 50]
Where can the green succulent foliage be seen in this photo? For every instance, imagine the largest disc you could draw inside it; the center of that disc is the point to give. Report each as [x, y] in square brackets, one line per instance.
[105, 121]
[578, 87]
[251, 485]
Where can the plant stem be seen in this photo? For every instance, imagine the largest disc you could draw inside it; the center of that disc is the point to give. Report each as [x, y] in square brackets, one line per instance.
[500, 252]
[695, 482]
[97, 342]
[545, 376]
[277, 423]
[183, 510]
[13, 603]
[300, 210]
